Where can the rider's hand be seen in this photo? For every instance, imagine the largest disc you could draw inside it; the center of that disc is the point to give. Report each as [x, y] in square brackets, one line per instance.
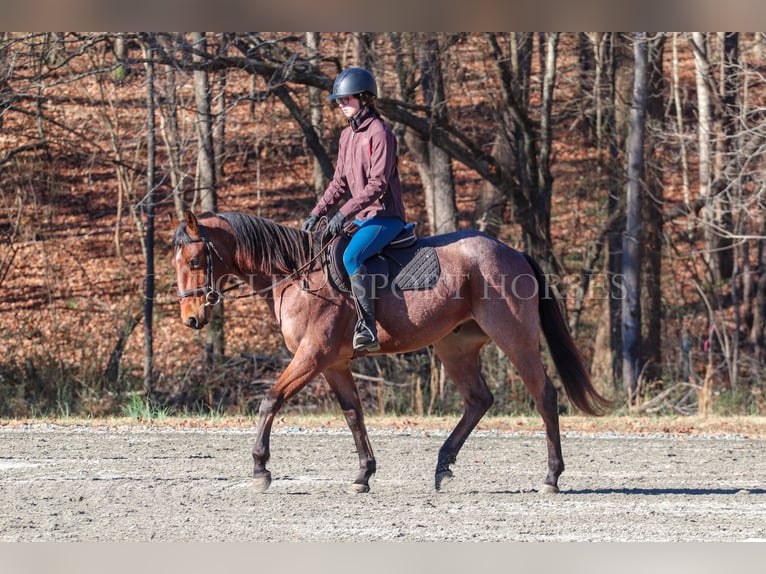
[335, 225]
[310, 222]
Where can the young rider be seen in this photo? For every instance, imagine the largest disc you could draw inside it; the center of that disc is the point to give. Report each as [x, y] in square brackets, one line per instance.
[367, 171]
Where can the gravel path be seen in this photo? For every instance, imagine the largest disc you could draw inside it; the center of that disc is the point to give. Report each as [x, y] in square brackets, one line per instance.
[133, 484]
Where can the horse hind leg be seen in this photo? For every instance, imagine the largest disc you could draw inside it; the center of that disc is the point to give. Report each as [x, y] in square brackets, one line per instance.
[459, 353]
[525, 356]
[518, 336]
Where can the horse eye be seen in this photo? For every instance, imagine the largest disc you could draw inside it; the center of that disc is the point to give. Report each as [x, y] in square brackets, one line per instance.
[194, 263]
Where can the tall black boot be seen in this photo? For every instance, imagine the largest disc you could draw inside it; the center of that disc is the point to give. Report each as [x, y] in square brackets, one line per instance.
[365, 333]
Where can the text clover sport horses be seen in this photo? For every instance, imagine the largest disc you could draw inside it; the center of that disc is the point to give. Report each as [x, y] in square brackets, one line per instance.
[484, 291]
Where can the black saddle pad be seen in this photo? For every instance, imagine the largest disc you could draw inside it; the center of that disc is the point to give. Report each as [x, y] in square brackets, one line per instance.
[414, 267]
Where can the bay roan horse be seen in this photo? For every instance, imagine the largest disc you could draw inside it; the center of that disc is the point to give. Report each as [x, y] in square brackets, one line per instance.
[486, 290]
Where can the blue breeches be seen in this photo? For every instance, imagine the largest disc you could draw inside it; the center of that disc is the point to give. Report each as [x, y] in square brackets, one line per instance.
[373, 235]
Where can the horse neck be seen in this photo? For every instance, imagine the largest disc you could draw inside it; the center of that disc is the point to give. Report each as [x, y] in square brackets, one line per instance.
[256, 274]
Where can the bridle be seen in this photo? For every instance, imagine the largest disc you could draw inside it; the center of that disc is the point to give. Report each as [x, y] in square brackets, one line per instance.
[214, 296]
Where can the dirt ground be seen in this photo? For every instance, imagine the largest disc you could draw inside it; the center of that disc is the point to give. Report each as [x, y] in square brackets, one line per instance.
[134, 483]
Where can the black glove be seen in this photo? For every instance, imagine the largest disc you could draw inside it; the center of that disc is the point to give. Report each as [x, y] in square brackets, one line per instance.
[310, 222]
[335, 225]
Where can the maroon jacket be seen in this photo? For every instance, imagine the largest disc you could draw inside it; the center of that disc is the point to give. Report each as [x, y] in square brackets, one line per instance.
[367, 169]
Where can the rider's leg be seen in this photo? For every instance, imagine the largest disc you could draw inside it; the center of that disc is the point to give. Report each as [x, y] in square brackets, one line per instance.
[373, 235]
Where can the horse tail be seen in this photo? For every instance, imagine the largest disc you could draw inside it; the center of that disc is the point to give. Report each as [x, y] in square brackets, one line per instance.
[566, 357]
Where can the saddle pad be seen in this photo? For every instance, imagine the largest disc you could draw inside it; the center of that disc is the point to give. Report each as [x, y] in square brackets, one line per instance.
[407, 269]
[420, 272]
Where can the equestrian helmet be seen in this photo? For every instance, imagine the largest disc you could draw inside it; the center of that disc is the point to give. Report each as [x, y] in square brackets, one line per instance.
[353, 82]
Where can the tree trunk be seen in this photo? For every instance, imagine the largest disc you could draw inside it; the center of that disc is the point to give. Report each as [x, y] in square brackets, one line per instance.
[205, 156]
[676, 91]
[618, 68]
[488, 212]
[587, 45]
[544, 176]
[121, 55]
[219, 140]
[364, 50]
[725, 156]
[316, 104]
[111, 375]
[214, 334]
[704, 134]
[522, 46]
[758, 330]
[434, 163]
[728, 170]
[631, 244]
[652, 201]
[168, 111]
[148, 204]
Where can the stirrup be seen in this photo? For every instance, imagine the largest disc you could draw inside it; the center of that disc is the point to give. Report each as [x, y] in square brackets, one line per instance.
[364, 338]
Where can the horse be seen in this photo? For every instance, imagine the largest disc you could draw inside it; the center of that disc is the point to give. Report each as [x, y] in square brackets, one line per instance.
[486, 291]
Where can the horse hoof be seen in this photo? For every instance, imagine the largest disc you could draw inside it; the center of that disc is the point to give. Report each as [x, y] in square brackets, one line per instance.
[548, 489]
[443, 478]
[262, 483]
[357, 488]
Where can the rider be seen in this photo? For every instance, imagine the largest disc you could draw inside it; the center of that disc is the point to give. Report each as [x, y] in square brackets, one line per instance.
[366, 170]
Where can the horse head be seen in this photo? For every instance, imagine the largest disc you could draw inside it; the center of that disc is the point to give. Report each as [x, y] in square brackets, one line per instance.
[201, 266]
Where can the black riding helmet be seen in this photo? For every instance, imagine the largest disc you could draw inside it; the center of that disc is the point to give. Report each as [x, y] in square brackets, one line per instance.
[353, 82]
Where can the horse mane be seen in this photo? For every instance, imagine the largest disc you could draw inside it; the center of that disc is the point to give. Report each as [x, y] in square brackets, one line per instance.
[260, 242]
[266, 244]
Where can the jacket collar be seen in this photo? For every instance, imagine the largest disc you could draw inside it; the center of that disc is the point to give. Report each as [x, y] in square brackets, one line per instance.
[362, 118]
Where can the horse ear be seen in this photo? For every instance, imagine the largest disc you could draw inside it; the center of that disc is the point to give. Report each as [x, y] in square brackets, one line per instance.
[191, 225]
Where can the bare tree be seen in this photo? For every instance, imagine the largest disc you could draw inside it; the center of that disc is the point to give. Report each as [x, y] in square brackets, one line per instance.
[725, 160]
[619, 64]
[206, 185]
[206, 157]
[316, 106]
[704, 144]
[364, 50]
[168, 109]
[679, 119]
[631, 245]
[652, 221]
[219, 119]
[434, 163]
[148, 208]
[531, 142]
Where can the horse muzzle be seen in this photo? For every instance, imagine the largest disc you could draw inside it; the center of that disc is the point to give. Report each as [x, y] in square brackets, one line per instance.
[194, 316]
[194, 322]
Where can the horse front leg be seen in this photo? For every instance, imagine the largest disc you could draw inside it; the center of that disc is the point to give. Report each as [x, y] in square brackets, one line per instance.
[341, 381]
[301, 370]
[261, 451]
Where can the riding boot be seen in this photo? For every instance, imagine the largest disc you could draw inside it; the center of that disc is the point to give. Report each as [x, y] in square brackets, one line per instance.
[365, 333]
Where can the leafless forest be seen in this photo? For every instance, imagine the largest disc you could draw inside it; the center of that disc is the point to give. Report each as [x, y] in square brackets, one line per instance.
[630, 165]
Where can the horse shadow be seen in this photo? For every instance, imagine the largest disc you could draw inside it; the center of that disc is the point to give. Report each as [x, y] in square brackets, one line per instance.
[667, 491]
[649, 491]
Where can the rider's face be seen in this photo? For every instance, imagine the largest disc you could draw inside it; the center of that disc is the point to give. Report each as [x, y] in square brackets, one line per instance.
[349, 105]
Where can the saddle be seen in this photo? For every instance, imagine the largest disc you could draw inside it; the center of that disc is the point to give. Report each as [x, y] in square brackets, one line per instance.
[406, 264]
